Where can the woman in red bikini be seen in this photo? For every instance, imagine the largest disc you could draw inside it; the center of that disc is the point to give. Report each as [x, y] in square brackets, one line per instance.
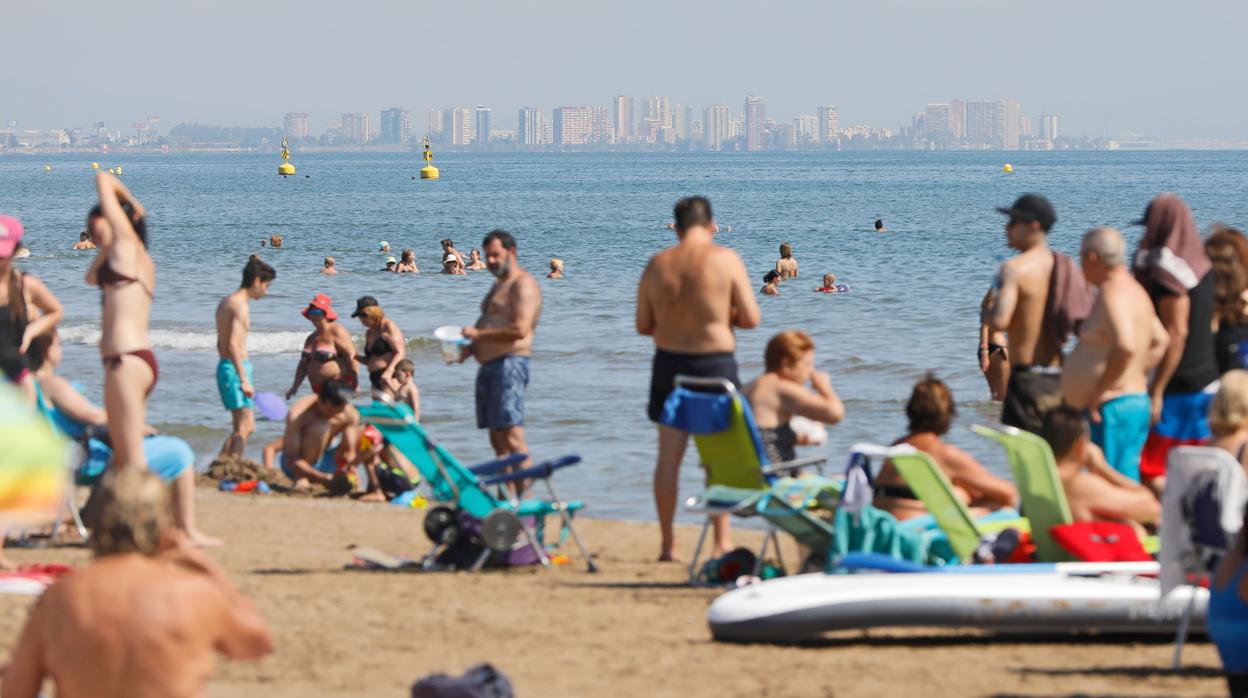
[126, 276]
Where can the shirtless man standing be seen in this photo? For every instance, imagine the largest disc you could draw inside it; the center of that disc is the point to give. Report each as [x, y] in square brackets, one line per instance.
[502, 341]
[234, 368]
[144, 619]
[1122, 340]
[311, 427]
[1022, 287]
[690, 298]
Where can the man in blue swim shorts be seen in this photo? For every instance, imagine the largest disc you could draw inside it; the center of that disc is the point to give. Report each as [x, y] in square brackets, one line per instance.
[502, 340]
[234, 369]
[1119, 343]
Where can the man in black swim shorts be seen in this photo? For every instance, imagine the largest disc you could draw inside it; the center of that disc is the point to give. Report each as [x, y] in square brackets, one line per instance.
[691, 297]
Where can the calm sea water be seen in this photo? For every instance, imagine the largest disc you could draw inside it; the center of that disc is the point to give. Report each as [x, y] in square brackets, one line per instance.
[913, 306]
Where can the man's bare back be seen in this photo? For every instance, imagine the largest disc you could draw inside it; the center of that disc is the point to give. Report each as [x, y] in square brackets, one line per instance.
[131, 626]
[692, 295]
[511, 302]
[309, 432]
[1122, 306]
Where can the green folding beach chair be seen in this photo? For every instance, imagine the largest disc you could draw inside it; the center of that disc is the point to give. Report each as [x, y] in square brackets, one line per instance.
[739, 479]
[936, 492]
[1039, 488]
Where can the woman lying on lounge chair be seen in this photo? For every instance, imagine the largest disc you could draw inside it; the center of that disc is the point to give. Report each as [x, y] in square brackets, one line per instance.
[931, 411]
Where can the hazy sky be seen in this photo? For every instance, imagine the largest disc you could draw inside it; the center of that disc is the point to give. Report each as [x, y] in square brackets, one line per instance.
[1172, 69]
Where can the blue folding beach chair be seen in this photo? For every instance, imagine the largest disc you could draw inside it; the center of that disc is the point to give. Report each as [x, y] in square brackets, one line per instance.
[476, 501]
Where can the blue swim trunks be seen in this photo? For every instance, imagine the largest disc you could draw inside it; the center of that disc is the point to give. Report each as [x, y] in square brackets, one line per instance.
[328, 463]
[500, 392]
[167, 457]
[230, 385]
[1122, 431]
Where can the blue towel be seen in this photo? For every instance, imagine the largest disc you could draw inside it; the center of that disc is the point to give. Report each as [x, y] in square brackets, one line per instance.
[696, 412]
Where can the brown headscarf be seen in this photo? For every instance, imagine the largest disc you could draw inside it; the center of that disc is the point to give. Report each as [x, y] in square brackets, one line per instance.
[1171, 253]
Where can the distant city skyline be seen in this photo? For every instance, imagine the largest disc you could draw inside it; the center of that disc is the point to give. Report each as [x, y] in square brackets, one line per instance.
[1143, 66]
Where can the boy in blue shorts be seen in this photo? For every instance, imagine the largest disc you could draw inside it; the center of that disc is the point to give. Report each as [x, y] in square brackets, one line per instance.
[234, 369]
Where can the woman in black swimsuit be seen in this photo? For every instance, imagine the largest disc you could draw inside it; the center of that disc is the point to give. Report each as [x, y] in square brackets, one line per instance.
[126, 275]
[383, 344]
[931, 412]
[18, 293]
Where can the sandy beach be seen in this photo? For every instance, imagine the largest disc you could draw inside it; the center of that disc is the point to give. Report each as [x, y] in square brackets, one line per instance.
[633, 629]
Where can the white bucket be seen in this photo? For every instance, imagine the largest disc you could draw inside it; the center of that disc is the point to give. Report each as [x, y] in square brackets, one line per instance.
[451, 340]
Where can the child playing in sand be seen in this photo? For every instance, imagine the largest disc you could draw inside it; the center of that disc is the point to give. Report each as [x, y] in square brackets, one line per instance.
[1094, 490]
[556, 269]
[404, 388]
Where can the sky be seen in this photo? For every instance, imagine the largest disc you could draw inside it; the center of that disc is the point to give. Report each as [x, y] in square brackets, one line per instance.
[1161, 69]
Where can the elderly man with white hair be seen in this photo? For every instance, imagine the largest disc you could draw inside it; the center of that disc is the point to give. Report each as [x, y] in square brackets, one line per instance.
[1121, 341]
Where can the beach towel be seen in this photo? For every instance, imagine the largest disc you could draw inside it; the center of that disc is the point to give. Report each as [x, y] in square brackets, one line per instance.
[1171, 253]
[1100, 541]
[1069, 301]
[1201, 511]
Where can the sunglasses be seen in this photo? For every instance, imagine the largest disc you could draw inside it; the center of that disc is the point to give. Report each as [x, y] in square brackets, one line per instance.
[315, 312]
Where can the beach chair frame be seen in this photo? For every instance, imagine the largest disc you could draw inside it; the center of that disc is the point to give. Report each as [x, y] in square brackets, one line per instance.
[750, 493]
[469, 489]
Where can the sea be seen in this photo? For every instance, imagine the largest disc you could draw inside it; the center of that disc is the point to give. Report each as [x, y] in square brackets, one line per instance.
[913, 304]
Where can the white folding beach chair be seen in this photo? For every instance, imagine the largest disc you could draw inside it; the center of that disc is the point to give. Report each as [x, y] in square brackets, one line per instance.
[1202, 509]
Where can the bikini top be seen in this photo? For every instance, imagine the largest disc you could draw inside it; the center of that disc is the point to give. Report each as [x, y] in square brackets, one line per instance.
[108, 276]
[320, 355]
[381, 347]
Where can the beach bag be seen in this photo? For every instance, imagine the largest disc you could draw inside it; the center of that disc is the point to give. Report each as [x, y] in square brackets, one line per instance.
[1100, 541]
[481, 681]
[467, 547]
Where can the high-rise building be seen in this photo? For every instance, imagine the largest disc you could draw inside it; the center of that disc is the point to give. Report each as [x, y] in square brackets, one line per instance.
[1049, 127]
[481, 126]
[295, 126]
[1012, 121]
[680, 122]
[582, 126]
[459, 126]
[355, 128]
[957, 119]
[433, 123]
[829, 123]
[755, 117]
[396, 126]
[806, 130]
[936, 120]
[716, 127]
[529, 127]
[659, 109]
[1026, 127]
[622, 112]
[985, 123]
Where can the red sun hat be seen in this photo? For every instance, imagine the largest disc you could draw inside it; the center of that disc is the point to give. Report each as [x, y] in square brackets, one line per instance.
[324, 303]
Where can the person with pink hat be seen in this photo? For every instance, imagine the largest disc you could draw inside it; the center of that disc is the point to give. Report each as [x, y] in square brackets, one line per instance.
[328, 352]
[19, 293]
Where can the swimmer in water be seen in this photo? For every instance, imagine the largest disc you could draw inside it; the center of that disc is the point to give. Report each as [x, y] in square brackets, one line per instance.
[84, 241]
[392, 264]
[879, 226]
[475, 262]
[556, 269]
[451, 265]
[829, 284]
[383, 247]
[330, 266]
[275, 240]
[407, 263]
[771, 283]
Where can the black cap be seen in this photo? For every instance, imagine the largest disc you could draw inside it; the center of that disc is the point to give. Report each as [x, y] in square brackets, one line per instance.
[1032, 208]
[362, 303]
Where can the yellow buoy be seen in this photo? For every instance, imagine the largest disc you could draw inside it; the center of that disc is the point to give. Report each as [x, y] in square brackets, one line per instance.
[285, 169]
[95, 165]
[112, 170]
[428, 171]
[47, 168]
[1008, 168]
[119, 169]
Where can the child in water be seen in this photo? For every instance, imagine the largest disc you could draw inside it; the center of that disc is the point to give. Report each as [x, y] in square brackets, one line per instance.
[771, 283]
[829, 284]
[404, 388]
[556, 269]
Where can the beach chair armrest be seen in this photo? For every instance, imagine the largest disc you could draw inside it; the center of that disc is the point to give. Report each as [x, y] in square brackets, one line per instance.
[498, 465]
[541, 470]
[790, 465]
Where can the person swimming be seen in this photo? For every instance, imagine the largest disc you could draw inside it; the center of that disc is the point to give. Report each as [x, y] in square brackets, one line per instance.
[331, 267]
[771, 283]
[392, 265]
[556, 268]
[879, 226]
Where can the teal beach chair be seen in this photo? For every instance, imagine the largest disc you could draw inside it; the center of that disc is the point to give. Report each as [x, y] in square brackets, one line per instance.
[739, 479]
[505, 525]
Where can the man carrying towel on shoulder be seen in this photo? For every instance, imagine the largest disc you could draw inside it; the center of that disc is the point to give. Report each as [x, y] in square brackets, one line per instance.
[1040, 297]
[690, 298]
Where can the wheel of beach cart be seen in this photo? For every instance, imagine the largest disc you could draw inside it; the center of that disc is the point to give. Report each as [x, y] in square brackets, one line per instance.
[442, 525]
[500, 530]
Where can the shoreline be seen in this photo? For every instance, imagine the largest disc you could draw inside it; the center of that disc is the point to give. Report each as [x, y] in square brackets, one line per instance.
[634, 628]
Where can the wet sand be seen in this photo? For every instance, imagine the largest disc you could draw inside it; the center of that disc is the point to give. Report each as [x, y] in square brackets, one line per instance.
[633, 629]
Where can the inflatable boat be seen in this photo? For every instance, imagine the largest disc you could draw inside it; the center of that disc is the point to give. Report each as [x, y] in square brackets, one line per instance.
[1043, 598]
